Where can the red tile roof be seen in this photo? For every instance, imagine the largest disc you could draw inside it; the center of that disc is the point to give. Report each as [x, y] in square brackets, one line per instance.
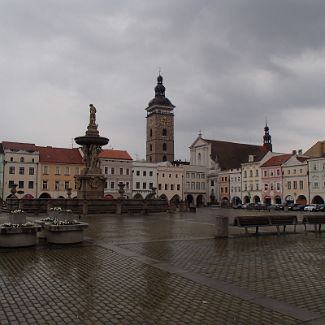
[115, 154]
[231, 155]
[277, 160]
[16, 146]
[59, 155]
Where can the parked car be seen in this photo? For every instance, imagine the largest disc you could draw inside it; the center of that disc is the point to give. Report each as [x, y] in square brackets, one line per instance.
[261, 206]
[249, 206]
[279, 207]
[321, 207]
[298, 207]
[311, 207]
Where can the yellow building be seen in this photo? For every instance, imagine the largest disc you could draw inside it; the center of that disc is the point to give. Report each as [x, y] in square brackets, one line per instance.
[57, 168]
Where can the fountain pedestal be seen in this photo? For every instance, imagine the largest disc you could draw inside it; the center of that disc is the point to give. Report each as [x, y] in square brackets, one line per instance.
[91, 182]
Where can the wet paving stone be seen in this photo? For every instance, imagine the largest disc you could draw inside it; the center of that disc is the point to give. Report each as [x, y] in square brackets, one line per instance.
[110, 278]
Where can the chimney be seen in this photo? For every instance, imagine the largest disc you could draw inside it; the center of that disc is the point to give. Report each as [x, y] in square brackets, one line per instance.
[300, 152]
[294, 152]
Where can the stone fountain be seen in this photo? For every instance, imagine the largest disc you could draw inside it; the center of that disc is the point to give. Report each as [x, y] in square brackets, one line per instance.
[91, 182]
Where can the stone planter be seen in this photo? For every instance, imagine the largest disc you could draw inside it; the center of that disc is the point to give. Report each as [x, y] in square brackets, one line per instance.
[65, 234]
[42, 233]
[17, 218]
[18, 236]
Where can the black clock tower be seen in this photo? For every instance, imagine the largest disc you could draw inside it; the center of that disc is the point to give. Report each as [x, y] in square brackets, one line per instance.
[160, 126]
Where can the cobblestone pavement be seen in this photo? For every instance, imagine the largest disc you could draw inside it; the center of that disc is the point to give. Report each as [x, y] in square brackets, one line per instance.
[166, 269]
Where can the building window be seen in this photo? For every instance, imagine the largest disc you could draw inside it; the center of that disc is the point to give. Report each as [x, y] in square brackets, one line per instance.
[151, 173]
[121, 171]
[266, 186]
[44, 185]
[192, 185]
[265, 173]
[245, 187]
[106, 170]
[11, 184]
[144, 173]
[31, 171]
[22, 159]
[250, 173]
[202, 186]
[164, 132]
[294, 171]
[127, 185]
[278, 172]
[78, 171]
[301, 185]
[144, 185]
[11, 159]
[11, 169]
[164, 146]
[21, 184]
[256, 187]
[30, 184]
[187, 175]
[294, 185]
[127, 171]
[271, 187]
[315, 184]
[137, 185]
[212, 183]
[289, 185]
[57, 170]
[172, 187]
[150, 132]
[256, 172]
[314, 167]
[150, 185]
[178, 187]
[159, 187]
[245, 174]
[112, 171]
[164, 158]
[138, 172]
[67, 171]
[166, 187]
[112, 185]
[57, 185]
[278, 188]
[66, 185]
[21, 170]
[170, 175]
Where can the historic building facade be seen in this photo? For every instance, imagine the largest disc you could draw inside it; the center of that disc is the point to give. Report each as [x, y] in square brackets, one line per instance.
[19, 167]
[316, 172]
[116, 166]
[57, 170]
[295, 180]
[144, 179]
[160, 126]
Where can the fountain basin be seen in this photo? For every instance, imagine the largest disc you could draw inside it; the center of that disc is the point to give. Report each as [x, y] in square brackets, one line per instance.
[88, 140]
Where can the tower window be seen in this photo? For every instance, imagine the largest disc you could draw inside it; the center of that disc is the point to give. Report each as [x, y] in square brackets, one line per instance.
[164, 132]
[164, 147]
[164, 158]
[151, 132]
[150, 147]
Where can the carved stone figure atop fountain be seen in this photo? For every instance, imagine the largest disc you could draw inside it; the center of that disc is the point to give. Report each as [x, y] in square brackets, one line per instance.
[91, 182]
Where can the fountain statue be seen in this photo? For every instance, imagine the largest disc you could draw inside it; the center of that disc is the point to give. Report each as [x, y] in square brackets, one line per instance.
[91, 182]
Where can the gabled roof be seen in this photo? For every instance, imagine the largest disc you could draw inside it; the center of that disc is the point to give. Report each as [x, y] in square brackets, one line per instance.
[59, 155]
[277, 160]
[231, 155]
[115, 154]
[17, 146]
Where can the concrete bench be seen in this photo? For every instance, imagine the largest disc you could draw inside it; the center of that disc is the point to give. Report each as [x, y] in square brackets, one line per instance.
[315, 220]
[266, 221]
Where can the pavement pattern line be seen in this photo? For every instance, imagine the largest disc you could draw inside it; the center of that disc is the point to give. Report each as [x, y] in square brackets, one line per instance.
[307, 316]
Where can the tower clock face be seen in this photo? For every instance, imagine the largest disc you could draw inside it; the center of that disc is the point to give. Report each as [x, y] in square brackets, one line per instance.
[163, 121]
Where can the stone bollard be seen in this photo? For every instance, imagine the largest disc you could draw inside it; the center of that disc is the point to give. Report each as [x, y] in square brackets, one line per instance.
[119, 208]
[221, 227]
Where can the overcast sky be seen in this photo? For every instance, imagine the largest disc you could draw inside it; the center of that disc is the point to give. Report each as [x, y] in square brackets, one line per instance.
[227, 66]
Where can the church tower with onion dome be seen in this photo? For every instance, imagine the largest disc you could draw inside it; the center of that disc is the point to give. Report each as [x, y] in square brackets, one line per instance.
[160, 126]
[267, 142]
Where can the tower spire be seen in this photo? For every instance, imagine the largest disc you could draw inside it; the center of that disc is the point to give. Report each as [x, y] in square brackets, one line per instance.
[267, 142]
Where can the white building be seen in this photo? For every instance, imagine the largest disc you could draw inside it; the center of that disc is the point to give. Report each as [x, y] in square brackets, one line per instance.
[20, 167]
[116, 166]
[144, 179]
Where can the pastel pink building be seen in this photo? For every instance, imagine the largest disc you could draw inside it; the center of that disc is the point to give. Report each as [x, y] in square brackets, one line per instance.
[272, 179]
